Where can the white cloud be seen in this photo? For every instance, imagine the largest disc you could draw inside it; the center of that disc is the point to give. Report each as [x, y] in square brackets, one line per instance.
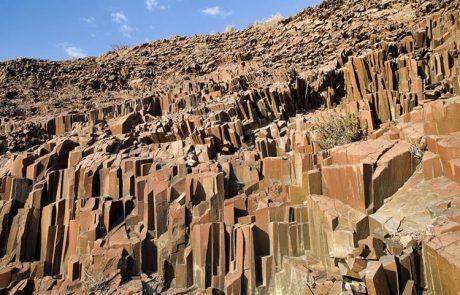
[119, 17]
[153, 4]
[88, 20]
[216, 11]
[122, 20]
[75, 52]
[126, 30]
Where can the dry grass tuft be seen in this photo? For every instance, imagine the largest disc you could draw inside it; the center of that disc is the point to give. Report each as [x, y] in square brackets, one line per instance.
[200, 49]
[337, 129]
[270, 23]
[230, 29]
[417, 148]
[94, 284]
[119, 46]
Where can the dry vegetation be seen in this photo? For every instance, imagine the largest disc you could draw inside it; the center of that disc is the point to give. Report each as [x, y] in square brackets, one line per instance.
[270, 23]
[94, 284]
[119, 46]
[417, 148]
[337, 129]
[230, 29]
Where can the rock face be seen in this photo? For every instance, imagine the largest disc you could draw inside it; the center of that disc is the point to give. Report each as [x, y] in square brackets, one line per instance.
[203, 174]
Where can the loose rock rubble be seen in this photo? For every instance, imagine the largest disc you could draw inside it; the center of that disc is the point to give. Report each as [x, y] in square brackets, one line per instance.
[204, 175]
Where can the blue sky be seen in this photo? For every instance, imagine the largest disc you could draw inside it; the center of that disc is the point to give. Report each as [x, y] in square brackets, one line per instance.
[61, 29]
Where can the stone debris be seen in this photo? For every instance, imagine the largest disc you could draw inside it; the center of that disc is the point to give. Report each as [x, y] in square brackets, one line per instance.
[212, 180]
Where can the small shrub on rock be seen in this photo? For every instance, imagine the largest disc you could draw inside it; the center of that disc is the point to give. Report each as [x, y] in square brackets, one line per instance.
[120, 46]
[417, 148]
[337, 129]
[270, 23]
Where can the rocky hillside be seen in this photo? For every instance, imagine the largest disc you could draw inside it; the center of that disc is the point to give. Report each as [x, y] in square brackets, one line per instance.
[312, 41]
[319, 154]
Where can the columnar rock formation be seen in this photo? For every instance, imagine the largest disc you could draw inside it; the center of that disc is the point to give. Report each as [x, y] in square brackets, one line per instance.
[180, 176]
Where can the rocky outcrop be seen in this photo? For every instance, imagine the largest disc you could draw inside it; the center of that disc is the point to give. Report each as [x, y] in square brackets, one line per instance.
[218, 183]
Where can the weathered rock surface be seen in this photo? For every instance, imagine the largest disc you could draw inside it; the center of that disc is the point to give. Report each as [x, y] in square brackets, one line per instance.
[198, 171]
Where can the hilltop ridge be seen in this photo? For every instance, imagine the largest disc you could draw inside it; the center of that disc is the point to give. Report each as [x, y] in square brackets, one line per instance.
[312, 40]
[318, 154]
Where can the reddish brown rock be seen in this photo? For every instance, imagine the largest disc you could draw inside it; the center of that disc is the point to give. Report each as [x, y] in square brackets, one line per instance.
[192, 165]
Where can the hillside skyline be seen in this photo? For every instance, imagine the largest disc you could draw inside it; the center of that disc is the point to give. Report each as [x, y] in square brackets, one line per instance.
[74, 29]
